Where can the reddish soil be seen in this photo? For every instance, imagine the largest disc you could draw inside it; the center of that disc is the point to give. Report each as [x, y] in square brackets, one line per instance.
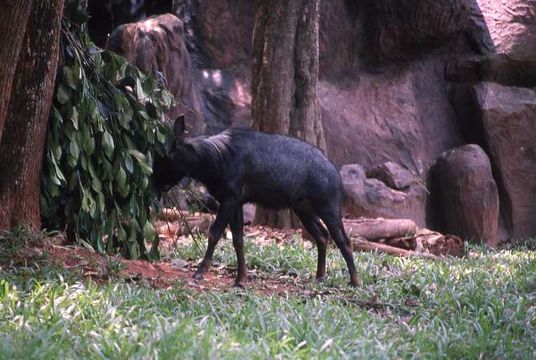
[163, 274]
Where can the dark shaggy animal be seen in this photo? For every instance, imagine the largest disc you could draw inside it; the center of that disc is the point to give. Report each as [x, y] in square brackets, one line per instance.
[242, 165]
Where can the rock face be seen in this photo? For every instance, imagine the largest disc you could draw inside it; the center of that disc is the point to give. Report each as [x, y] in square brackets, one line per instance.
[397, 29]
[500, 68]
[503, 33]
[157, 45]
[505, 118]
[371, 197]
[218, 34]
[392, 175]
[397, 115]
[465, 194]
[504, 26]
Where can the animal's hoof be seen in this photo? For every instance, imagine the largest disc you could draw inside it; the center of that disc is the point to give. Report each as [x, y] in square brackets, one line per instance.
[239, 284]
[320, 278]
[355, 282]
[198, 275]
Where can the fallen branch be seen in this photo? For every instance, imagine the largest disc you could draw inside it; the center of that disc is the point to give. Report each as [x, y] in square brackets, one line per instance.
[174, 214]
[364, 245]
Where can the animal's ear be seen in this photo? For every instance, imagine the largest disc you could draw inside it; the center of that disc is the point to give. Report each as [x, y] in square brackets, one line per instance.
[178, 129]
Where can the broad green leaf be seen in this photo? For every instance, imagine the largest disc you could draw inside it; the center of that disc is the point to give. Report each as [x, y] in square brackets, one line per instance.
[57, 115]
[74, 149]
[102, 202]
[161, 137]
[144, 183]
[70, 77]
[89, 145]
[121, 178]
[70, 131]
[62, 94]
[122, 234]
[149, 231]
[93, 208]
[108, 144]
[124, 191]
[84, 162]
[137, 154]
[139, 90]
[96, 185]
[85, 202]
[93, 109]
[128, 164]
[72, 161]
[56, 149]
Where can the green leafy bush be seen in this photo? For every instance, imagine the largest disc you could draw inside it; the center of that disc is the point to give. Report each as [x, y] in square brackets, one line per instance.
[105, 127]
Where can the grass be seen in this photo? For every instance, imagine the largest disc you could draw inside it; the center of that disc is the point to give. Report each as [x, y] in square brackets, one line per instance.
[482, 307]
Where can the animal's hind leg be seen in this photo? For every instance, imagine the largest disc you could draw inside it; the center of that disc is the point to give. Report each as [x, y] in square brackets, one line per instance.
[332, 219]
[237, 228]
[312, 224]
[215, 232]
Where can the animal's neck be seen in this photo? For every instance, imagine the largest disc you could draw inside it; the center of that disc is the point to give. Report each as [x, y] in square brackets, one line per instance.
[207, 173]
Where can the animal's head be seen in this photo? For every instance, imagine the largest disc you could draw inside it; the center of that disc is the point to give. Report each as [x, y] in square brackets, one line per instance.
[171, 168]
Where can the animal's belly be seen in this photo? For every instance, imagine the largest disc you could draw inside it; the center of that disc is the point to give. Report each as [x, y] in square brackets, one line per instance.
[268, 196]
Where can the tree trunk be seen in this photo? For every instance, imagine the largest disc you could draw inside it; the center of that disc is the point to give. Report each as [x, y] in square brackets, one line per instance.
[25, 122]
[284, 77]
[13, 19]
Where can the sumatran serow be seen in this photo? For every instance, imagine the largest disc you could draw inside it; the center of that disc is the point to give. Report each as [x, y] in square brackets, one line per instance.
[242, 165]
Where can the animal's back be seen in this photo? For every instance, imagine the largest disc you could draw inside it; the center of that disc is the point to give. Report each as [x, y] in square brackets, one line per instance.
[279, 170]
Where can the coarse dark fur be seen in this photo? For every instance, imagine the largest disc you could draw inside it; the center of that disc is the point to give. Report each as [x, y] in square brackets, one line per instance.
[243, 165]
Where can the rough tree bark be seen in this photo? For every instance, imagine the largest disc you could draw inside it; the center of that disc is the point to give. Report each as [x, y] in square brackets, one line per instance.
[13, 19]
[28, 106]
[284, 77]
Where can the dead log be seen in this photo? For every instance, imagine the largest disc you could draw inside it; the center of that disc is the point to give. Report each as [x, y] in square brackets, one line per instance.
[407, 242]
[439, 244]
[174, 214]
[374, 229]
[364, 245]
[182, 222]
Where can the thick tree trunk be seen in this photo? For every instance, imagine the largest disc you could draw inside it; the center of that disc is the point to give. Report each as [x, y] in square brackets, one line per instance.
[24, 131]
[13, 19]
[285, 73]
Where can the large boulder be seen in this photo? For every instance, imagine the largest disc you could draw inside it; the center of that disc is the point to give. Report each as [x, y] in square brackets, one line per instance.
[392, 175]
[503, 120]
[156, 45]
[465, 194]
[371, 197]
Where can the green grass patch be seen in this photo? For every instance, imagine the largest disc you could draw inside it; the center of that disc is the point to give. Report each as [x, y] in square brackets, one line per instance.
[480, 307]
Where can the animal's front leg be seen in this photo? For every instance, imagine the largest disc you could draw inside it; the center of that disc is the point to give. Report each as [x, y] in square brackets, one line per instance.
[237, 228]
[215, 232]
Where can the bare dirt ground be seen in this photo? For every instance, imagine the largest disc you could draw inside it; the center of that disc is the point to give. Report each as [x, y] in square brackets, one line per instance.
[162, 274]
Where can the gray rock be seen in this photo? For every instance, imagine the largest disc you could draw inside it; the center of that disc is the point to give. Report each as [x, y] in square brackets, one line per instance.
[373, 198]
[466, 195]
